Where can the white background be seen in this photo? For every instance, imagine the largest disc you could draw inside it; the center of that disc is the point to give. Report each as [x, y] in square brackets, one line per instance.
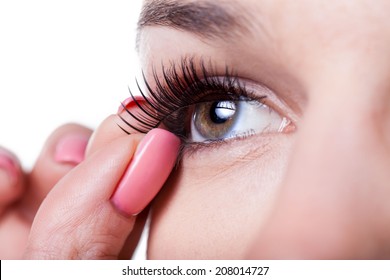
[62, 61]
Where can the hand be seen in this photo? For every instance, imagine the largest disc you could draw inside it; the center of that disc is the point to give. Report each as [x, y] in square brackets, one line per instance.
[89, 214]
[21, 194]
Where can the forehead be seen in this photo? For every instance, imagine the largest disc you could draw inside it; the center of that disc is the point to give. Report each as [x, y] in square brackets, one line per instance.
[301, 37]
[255, 12]
[283, 22]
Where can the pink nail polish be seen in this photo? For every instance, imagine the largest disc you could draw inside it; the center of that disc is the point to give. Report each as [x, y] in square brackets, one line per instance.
[71, 149]
[8, 165]
[129, 102]
[149, 169]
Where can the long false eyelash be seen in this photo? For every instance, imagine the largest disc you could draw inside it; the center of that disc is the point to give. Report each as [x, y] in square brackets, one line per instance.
[180, 86]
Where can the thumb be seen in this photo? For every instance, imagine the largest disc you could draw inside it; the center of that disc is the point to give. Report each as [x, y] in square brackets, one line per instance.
[90, 212]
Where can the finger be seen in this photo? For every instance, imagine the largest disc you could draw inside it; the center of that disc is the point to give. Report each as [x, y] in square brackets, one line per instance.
[107, 132]
[11, 179]
[110, 129]
[82, 218]
[114, 126]
[63, 150]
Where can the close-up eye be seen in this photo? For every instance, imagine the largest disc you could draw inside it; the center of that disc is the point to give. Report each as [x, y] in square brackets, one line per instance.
[201, 106]
[220, 120]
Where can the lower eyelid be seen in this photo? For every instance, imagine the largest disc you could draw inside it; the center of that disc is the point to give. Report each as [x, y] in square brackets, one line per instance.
[222, 154]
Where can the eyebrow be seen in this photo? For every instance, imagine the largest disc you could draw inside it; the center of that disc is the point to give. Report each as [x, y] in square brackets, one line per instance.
[203, 18]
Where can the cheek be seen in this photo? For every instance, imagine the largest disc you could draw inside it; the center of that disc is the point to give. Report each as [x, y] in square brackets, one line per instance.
[212, 206]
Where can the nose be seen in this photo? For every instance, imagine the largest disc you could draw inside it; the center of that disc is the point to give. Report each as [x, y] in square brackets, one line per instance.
[334, 201]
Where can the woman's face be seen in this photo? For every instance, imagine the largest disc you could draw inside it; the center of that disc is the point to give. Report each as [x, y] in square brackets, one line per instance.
[304, 166]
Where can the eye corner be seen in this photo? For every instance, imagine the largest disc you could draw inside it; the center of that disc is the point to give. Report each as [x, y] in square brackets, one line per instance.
[287, 126]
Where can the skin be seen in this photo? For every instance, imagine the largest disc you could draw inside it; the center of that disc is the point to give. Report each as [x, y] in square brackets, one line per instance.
[326, 183]
[318, 190]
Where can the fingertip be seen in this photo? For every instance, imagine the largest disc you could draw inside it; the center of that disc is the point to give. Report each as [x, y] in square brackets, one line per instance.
[130, 103]
[107, 131]
[10, 177]
[62, 151]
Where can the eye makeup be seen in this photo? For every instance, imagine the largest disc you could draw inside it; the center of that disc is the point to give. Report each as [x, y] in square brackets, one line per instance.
[171, 99]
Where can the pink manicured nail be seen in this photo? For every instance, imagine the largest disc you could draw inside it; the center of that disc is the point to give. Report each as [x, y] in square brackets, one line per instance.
[71, 149]
[129, 102]
[149, 169]
[8, 164]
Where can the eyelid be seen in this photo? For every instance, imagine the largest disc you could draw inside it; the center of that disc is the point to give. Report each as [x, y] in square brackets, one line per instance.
[260, 93]
[272, 100]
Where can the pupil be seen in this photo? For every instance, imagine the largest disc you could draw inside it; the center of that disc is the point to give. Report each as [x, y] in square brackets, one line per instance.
[222, 111]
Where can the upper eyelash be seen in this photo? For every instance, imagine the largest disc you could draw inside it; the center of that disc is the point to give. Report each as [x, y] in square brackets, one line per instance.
[181, 86]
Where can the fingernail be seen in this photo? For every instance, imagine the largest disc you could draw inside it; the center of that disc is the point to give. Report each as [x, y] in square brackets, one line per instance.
[8, 165]
[71, 149]
[149, 169]
[129, 102]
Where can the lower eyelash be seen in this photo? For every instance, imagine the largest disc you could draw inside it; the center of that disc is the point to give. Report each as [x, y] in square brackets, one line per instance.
[181, 85]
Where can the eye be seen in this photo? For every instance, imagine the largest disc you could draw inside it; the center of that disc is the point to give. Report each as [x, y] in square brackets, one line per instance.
[194, 101]
[225, 119]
